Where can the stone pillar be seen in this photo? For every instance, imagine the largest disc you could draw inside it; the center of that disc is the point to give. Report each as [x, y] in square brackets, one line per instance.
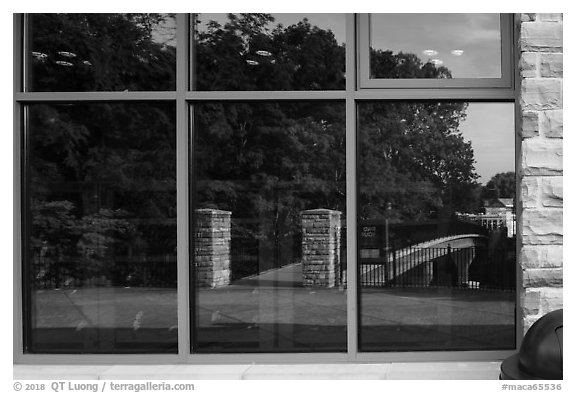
[212, 248]
[541, 199]
[320, 247]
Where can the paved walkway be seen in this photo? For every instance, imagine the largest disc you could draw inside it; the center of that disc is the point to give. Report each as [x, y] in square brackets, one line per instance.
[274, 312]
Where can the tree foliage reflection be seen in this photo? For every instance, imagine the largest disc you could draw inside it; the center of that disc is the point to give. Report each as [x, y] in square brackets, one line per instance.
[102, 191]
[265, 160]
[102, 52]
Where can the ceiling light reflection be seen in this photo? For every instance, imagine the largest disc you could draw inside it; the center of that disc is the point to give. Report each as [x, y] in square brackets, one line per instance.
[430, 52]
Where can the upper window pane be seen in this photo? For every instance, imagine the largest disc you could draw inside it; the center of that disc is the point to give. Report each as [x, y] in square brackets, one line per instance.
[435, 46]
[270, 52]
[102, 52]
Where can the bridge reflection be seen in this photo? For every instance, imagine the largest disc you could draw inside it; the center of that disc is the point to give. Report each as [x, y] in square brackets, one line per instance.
[464, 260]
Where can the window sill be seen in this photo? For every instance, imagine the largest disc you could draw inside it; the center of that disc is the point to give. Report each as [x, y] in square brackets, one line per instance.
[372, 371]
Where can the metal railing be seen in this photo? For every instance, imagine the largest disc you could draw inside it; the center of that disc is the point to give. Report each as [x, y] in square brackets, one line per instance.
[475, 267]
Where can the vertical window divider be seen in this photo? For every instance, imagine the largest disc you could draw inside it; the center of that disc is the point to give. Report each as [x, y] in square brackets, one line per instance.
[351, 188]
[17, 298]
[182, 186]
[362, 73]
[506, 51]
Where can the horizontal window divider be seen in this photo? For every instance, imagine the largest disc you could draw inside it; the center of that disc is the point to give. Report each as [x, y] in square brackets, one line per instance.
[100, 359]
[96, 96]
[263, 358]
[463, 83]
[435, 94]
[372, 94]
[269, 358]
[435, 356]
[265, 95]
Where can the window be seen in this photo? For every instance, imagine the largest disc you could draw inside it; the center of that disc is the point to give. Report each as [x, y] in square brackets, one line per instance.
[270, 189]
[101, 228]
[102, 52]
[437, 244]
[435, 50]
[269, 52]
[230, 186]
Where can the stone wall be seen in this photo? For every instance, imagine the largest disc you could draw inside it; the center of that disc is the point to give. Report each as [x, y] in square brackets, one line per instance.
[541, 167]
[212, 248]
[321, 231]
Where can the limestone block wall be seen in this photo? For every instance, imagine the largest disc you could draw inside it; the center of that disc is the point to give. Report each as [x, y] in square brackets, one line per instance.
[212, 248]
[321, 231]
[541, 164]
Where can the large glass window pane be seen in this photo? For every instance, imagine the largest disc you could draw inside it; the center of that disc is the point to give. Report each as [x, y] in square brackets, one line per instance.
[437, 225]
[101, 242]
[270, 52]
[102, 52]
[269, 227]
[435, 46]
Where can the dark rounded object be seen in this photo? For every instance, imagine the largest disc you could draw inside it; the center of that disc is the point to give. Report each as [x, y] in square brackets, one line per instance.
[540, 355]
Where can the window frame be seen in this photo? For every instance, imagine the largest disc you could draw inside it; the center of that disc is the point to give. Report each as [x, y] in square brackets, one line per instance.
[504, 82]
[355, 92]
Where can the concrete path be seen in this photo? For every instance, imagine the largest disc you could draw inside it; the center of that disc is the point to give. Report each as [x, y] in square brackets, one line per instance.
[273, 312]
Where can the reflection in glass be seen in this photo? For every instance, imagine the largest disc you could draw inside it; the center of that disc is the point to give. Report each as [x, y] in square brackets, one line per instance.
[269, 227]
[102, 52]
[270, 52]
[435, 46]
[437, 224]
[101, 248]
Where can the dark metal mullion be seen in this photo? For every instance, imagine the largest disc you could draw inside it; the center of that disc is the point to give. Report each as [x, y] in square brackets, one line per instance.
[95, 96]
[191, 186]
[353, 266]
[182, 185]
[18, 230]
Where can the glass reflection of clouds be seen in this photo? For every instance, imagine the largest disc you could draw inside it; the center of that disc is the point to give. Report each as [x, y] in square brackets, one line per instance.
[446, 35]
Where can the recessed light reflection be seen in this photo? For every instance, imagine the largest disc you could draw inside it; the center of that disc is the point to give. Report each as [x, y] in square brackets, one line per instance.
[430, 52]
[457, 52]
[436, 62]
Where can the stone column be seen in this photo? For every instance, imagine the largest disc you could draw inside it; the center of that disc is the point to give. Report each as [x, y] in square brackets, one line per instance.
[541, 128]
[212, 248]
[320, 247]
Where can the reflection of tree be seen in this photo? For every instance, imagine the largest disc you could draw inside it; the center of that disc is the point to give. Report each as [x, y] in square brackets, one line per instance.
[103, 52]
[103, 185]
[100, 171]
[270, 161]
[501, 185]
[263, 160]
[386, 64]
[102, 176]
[244, 54]
[413, 156]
